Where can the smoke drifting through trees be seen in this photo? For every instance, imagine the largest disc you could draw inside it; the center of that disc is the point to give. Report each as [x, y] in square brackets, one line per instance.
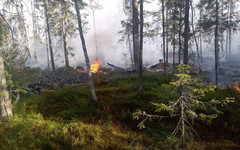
[107, 27]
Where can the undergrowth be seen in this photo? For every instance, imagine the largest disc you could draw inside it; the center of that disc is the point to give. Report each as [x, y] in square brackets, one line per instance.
[67, 118]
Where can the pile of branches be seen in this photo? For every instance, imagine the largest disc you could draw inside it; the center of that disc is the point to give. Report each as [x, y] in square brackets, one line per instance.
[60, 78]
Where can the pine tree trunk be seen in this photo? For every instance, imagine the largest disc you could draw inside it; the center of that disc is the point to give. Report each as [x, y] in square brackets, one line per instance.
[141, 48]
[49, 35]
[194, 35]
[174, 33]
[95, 32]
[186, 33]
[136, 41]
[200, 36]
[163, 26]
[217, 43]
[227, 34]
[179, 35]
[5, 101]
[167, 38]
[130, 49]
[23, 33]
[230, 31]
[222, 27]
[64, 36]
[47, 47]
[91, 84]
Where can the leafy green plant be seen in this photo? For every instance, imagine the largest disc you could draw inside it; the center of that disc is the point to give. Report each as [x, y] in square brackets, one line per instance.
[187, 90]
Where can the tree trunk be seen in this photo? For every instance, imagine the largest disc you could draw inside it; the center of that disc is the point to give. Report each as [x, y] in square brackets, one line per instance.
[23, 33]
[141, 48]
[167, 38]
[5, 101]
[174, 33]
[130, 49]
[200, 36]
[163, 26]
[179, 34]
[94, 27]
[91, 84]
[47, 47]
[64, 35]
[227, 34]
[136, 41]
[49, 34]
[230, 30]
[194, 35]
[186, 33]
[216, 43]
[222, 27]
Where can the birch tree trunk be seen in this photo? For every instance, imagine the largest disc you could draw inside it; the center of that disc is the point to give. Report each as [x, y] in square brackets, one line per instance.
[91, 84]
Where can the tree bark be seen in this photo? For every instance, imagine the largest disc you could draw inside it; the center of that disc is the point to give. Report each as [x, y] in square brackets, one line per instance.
[136, 41]
[174, 33]
[94, 27]
[186, 33]
[141, 48]
[64, 35]
[216, 43]
[167, 36]
[5, 101]
[194, 35]
[49, 35]
[130, 49]
[227, 34]
[91, 84]
[222, 27]
[180, 34]
[200, 36]
[230, 30]
[164, 46]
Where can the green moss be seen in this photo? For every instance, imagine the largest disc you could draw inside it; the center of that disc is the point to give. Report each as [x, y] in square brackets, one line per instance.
[67, 119]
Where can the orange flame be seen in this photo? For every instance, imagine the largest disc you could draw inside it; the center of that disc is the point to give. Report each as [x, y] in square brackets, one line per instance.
[236, 87]
[95, 67]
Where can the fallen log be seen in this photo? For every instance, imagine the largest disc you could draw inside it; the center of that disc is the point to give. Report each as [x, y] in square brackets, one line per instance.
[117, 68]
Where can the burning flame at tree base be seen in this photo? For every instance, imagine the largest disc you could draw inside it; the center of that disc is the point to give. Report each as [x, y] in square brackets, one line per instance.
[95, 68]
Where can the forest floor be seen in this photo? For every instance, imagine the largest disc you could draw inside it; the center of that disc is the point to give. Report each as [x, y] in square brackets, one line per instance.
[66, 118]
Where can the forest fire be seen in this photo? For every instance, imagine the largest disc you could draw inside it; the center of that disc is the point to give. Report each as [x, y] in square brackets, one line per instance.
[95, 68]
[236, 87]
